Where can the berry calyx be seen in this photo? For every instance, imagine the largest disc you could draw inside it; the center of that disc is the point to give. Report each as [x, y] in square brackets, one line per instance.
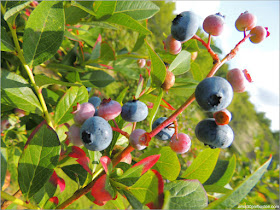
[214, 24]
[180, 145]
[246, 21]
[222, 117]
[109, 109]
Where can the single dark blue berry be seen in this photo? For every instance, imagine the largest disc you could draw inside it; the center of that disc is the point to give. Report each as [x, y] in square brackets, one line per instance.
[95, 101]
[214, 94]
[134, 111]
[167, 132]
[216, 136]
[185, 26]
[96, 133]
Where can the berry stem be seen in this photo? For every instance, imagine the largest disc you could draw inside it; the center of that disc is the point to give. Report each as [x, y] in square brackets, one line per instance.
[212, 53]
[176, 128]
[209, 41]
[6, 196]
[123, 154]
[120, 131]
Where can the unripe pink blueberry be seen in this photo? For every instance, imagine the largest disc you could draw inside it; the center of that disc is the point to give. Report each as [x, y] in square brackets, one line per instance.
[214, 24]
[148, 62]
[180, 145]
[109, 109]
[19, 112]
[172, 45]
[237, 78]
[258, 34]
[74, 135]
[141, 63]
[246, 21]
[135, 137]
[222, 117]
[82, 112]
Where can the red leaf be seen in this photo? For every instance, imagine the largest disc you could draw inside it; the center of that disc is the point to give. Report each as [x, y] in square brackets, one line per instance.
[84, 162]
[54, 200]
[56, 180]
[99, 192]
[105, 161]
[147, 162]
[108, 67]
[77, 152]
[158, 204]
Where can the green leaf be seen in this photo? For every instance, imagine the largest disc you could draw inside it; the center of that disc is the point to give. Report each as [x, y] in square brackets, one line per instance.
[158, 69]
[104, 8]
[73, 15]
[107, 53]
[168, 164]
[203, 165]
[43, 33]
[42, 80]
[129, 177]
[139, 42]
[4, 158]
[196, 72]
[64, 107]
[84, 5]
[17, 93]
[6, 41]
[223, 172]
[97, 78]
[134, 202]
[44, 194]
[156, 105]
[76, 172]
[216, 189]
[38, 159]
[186, 194]
[146, 188]
[233, 198]
[128, 22]
[128, 72]
[138, 10]
[181, 64]
[191, 46]
[62, 67]
[10, 15]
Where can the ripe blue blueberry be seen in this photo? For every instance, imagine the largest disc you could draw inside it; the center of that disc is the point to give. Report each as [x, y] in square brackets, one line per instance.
[96, 133]
[184, 26]
[216, 136]
[214, 94]
[167, 132]
[134, 111]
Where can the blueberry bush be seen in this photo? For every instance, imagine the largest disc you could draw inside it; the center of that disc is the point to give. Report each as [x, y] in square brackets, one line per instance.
[93, 109]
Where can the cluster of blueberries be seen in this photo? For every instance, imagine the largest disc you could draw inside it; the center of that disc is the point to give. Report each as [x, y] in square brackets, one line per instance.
[213, 94]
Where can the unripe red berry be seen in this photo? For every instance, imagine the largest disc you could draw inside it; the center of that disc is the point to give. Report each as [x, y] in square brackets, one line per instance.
[135, 138]
[82, 112]
[237, 79]
[214, 24]
[74, 135]
[169, 81]
[148, 62]
[258, 34]
[141, 63]
[180, 145]
[109, 109]
[245, 21]
[5, 124]
[172, 46]
[222, 117]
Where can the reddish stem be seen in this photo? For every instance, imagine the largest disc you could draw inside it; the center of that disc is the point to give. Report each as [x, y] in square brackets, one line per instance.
[176, 128]
[209, 41]
[121, 132]
[123, 154]
[211, 52]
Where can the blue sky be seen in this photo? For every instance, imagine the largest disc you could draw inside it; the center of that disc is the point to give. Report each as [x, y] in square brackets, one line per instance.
[261, 60]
